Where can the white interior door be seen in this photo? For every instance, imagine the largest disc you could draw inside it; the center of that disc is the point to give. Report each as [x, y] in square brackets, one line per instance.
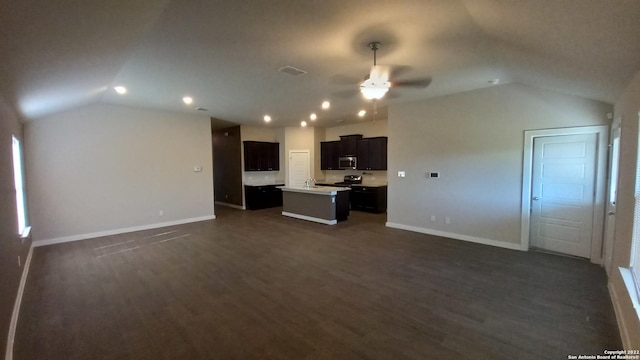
[563, 192]
[299, 167]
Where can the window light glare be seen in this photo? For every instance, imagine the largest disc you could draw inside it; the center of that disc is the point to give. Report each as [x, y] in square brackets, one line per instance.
[303, 123]
[19, 185]
[362, 113]
[313, 116]
[267, 118]
[120, 90]
[326, 104]
[187, 100]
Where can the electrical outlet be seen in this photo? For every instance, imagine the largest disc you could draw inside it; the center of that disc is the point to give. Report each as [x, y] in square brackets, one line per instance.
[433, 218]
[447, 220]
[160, 212]
[401, 174]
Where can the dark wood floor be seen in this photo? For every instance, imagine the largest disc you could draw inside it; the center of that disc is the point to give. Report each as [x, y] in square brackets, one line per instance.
[257, 285]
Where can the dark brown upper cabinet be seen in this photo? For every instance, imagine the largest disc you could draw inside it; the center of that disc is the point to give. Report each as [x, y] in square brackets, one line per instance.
[261, 156]
[372, 153]
[329, 154]
[349, 145]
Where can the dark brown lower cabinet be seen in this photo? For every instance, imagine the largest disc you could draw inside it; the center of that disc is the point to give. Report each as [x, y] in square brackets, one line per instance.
[369, 198]
[262, 197]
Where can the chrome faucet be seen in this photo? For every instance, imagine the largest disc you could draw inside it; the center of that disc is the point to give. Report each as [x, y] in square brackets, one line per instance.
[307, 183]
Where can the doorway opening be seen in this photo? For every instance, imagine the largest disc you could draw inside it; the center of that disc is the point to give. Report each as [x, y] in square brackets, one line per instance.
[299, 167]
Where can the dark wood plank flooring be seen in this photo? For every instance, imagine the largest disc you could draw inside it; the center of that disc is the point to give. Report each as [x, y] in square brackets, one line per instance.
[258, 285]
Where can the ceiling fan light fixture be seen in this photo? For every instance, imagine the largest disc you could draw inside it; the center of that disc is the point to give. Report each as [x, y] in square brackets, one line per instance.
[373, 91]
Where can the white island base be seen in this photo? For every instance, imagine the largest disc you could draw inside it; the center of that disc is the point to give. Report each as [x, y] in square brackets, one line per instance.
[322, 204]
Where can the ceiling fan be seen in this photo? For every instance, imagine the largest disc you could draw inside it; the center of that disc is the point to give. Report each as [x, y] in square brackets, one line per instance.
[378, 82]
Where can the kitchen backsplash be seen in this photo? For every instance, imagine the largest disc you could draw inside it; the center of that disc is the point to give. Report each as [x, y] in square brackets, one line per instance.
[369, 176]
[262, 176]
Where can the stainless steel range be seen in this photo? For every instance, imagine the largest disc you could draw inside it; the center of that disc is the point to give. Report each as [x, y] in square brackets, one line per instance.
[349, 180]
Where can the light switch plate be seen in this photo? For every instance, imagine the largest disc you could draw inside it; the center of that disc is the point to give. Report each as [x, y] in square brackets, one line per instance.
[401, 174]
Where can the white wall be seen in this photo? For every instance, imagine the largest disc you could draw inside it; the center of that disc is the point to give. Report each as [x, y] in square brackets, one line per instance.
[475, 140]
[13, 250]
[628, 108]
[105, 168]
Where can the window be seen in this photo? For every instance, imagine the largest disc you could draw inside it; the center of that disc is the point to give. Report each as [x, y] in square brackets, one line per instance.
[615, 165]
[19, 183]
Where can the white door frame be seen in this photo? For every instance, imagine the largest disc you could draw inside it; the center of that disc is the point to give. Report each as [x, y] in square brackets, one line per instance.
[610, 218]
[602, 132]
[289, 162]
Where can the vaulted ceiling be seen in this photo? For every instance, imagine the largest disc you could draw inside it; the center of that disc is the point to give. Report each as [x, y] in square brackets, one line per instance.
[226, 54]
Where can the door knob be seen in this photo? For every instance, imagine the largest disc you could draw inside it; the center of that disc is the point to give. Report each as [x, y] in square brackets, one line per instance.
[535, 198]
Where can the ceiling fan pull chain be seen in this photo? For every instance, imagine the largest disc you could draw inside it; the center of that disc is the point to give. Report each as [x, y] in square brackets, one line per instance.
[375, 110]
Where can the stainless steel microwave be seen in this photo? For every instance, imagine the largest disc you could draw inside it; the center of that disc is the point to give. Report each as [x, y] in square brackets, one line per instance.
[347, 162]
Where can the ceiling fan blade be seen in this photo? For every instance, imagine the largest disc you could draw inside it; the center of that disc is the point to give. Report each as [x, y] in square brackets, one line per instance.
[346, 94]
[396, 71]
[416, 83]
[392, 95]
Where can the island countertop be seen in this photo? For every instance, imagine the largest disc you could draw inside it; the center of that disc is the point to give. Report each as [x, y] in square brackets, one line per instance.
[318, 190]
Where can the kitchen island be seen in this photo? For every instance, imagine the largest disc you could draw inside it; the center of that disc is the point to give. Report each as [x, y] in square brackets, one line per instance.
[322, 204]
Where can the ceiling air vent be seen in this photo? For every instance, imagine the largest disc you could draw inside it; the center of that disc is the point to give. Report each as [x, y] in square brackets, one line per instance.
[292, 71]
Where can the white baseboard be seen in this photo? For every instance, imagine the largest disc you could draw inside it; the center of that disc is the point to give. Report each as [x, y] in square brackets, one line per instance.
[624, 334]
[230, 205]
[310, 218]
[119, 231]
[16, 306]
[455, 236]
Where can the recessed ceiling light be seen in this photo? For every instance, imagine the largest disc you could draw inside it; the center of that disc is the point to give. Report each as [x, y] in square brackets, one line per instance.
[494, 81]
[313, 116]
[326, 104]
[303, 123]
[187, 100]
[267, 118]
[120, 90]
[362, 113]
